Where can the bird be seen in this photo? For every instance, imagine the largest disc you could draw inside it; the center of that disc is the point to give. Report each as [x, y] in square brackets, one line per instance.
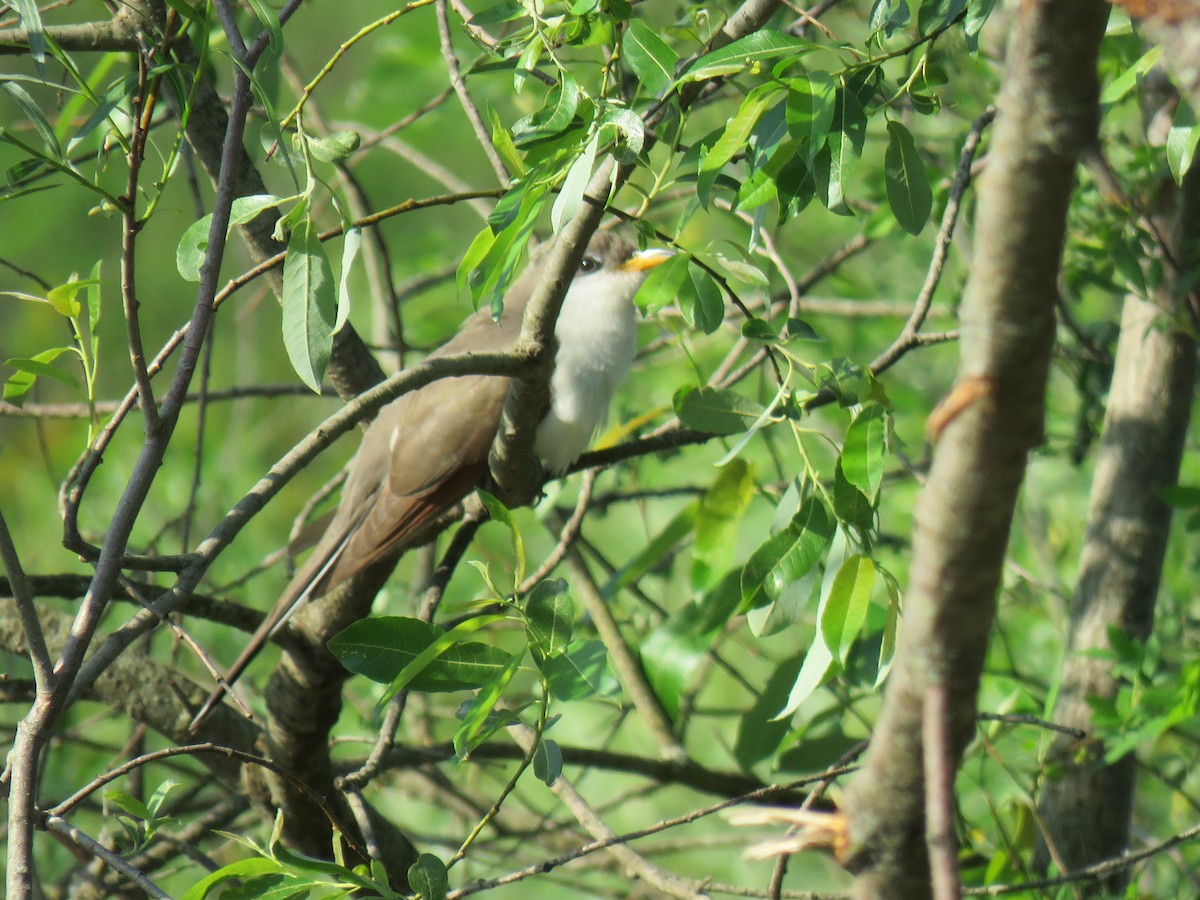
[428, 449]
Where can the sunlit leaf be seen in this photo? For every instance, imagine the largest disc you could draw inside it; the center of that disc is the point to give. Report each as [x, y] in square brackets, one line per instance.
[570, 195]
[843, 614]
[863, 450]
[309, 304]
[715, 411]
[650, 57]
[744, 52]
[737, 132]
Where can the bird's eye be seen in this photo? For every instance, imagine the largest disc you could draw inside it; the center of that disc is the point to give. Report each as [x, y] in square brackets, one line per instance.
[588, 264]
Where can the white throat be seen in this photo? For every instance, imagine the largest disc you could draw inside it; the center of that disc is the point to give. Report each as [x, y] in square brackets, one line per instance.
[596, 334]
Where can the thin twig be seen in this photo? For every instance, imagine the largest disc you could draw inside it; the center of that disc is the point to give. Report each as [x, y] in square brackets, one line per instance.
[90, 845]
[566, 535]
[35, 640]
[482, 133]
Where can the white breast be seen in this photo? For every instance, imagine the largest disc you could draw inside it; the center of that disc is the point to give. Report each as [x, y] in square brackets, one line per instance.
[596, 333]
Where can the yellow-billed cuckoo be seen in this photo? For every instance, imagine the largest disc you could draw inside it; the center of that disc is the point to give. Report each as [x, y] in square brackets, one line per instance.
[428, 449]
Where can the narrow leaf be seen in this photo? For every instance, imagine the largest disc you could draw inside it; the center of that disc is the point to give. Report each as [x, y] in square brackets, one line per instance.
[908, 189]
[570, 195]
[733, 139]
[652, 60]
[309, 304]
[742, 53]
[350, 248]
[550, 616]
[843, 615]
[863, 450]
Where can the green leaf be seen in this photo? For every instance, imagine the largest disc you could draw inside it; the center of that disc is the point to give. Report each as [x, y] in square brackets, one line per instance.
[850, 504]
[579, 672]
[570, 195]
[351, 244]
[193, 245]
[502, 140]
[630, 129]
[383, 648]
[428, 877]
[759, 732]
[843, 615]
[1181, 142]
[35, 34]
[663, 284]
[889, 16]
[309, 304]
[706, 310]
[934, 15]
[34, 114]
[554, 117]
[501, 513]
[715, 411]
[527, 61]
[128, 802]
[550, 616]
[504, 11]
[1120, 86]
[861, 459]
[743, 53]
[480, 721]
[547, 761]
[799, 330]
[817, 665]
[490, 279]
[978, 12]
[1181, 496]
[118, 92]
[887, 643]
[721, 511]
[742, 270]
[908, 188]
[737, 132]
[787, 555]
[843, 148]
[64, 298]
[29, 370]
[811, 103]
[759, 330]
[652, 60]
[757, 190]
[336, 147]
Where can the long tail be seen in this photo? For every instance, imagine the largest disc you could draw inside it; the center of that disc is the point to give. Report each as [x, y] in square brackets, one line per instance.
[306, 583]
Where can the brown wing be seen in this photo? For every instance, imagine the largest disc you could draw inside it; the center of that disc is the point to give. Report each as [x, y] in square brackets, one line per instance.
[424, 452]
[418, 459]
